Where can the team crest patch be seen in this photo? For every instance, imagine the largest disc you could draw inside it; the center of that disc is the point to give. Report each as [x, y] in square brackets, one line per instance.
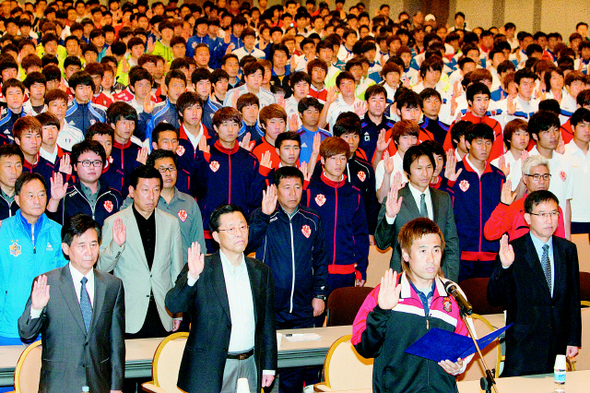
[49, 247]
[92, 122]
[306, 230]
[562, 176]
[447, 305]
[14, 248]
[180, 151]
[320, 199]
[361, 175]
[214, 165]
[182, 215]
[110, 159]
[464, 185]
[108, 206]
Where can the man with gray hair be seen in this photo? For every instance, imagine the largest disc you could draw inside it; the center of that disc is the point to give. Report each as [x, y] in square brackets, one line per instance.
[508, 216]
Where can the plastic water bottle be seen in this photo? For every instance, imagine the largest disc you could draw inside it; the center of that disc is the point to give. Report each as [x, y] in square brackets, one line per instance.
[559, 370]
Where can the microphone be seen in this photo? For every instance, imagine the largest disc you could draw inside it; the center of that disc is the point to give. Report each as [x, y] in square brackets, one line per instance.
[452, 289]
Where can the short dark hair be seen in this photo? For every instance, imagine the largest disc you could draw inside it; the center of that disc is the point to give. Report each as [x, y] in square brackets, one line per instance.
[12, 83]
[226, 113]
[80, 78]
[348, 124]
[56, 94]
[161, 153]
[77, 225]
[375, 90]
[85, 146]
[163, 127]
[511, 127]
[477, 88]
[25, 178]
[187, 99]
[12, 150]
[121, 110]
[542, 121]
[414, 153]
[221, 210]
[308, 102]
[48, 119]
[174, 74]
[247, 99]
[479, 130]
[580, 115]
[287, 136]
[287, 172]
[137, 74]
[100, 128]
[144, 172]
[537, 197]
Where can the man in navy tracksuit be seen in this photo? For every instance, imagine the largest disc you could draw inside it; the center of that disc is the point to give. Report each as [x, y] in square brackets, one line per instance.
[226, 173]
[289, 238]
[342, 209]
[475, 194]
[126, 148]
[11, 167]
[87, 194]
[82, 113]
[14, 93]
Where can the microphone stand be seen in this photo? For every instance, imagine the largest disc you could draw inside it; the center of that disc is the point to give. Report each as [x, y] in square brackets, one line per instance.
[488, 383]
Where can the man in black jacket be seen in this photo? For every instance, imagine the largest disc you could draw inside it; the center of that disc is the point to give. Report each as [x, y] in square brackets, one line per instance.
[537, 280]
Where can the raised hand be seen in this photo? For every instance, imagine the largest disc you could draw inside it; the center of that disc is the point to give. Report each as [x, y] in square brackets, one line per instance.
[40, 293]
[332, 95]
[245, 143]
[450, 173]
[196, 260]
[142, 155]
[151, 45]
[506, 253]
[148, 105]
[227, 37]
[269, 200]
[360, 108]
[65, 165]
[293, 122]
[203, 146]
[382, 144]
[389, 291]
[119, 232]
[507, 196]
[388, 163]
[510, 105]
[524, 155]
[265, 161]
[393, 204]
[504, 167]
[317, 141]
[58, 187]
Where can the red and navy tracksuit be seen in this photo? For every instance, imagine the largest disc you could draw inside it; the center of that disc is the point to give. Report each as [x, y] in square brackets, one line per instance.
[370, 134]
[226, 176]
[186, 155]
[124, 161]
[107, 203]
[342, 210]
[497, 146]
[386, 334]
[474, 200]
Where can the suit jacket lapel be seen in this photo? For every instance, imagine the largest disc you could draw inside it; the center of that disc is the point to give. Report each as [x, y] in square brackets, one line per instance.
[409, 201]
[434, 196]
[133, 233]
[99, 295]
[218, 283]
[67, 290]
[255, 285]
[559, 271]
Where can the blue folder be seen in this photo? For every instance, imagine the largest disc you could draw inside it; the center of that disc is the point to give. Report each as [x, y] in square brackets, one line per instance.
[439, 345]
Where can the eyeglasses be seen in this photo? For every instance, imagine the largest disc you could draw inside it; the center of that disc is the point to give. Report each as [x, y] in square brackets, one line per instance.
[233, 230]
[537, 176]
[168, 169]
[553, 214]
[87, 163]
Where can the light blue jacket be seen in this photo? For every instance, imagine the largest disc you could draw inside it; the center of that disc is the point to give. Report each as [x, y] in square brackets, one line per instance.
[26, 251]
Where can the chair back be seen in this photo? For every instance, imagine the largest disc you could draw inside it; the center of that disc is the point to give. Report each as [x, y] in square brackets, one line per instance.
[476, 290]
[166, 363]
[28, 369]
[345, 369]
[344, 303]
[492, 353]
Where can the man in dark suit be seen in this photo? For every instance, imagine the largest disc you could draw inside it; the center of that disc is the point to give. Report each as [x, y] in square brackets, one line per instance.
[417, 199]
[231, 302]
[80, 313]
[536, 279]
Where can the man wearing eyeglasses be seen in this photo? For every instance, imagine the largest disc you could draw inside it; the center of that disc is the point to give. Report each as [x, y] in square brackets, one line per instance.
[508, 216]
[231, 301]
[87, 194]
[536, 279]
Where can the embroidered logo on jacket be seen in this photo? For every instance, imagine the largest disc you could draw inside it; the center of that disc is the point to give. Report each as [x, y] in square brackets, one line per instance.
[214, 165]
[447, 305]
[320, 199]
[180, 150]
[562, 176]
[108, 206]
[362, 176]
[182, 215]
[306, 230]
[14, 248]
[464, 185]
